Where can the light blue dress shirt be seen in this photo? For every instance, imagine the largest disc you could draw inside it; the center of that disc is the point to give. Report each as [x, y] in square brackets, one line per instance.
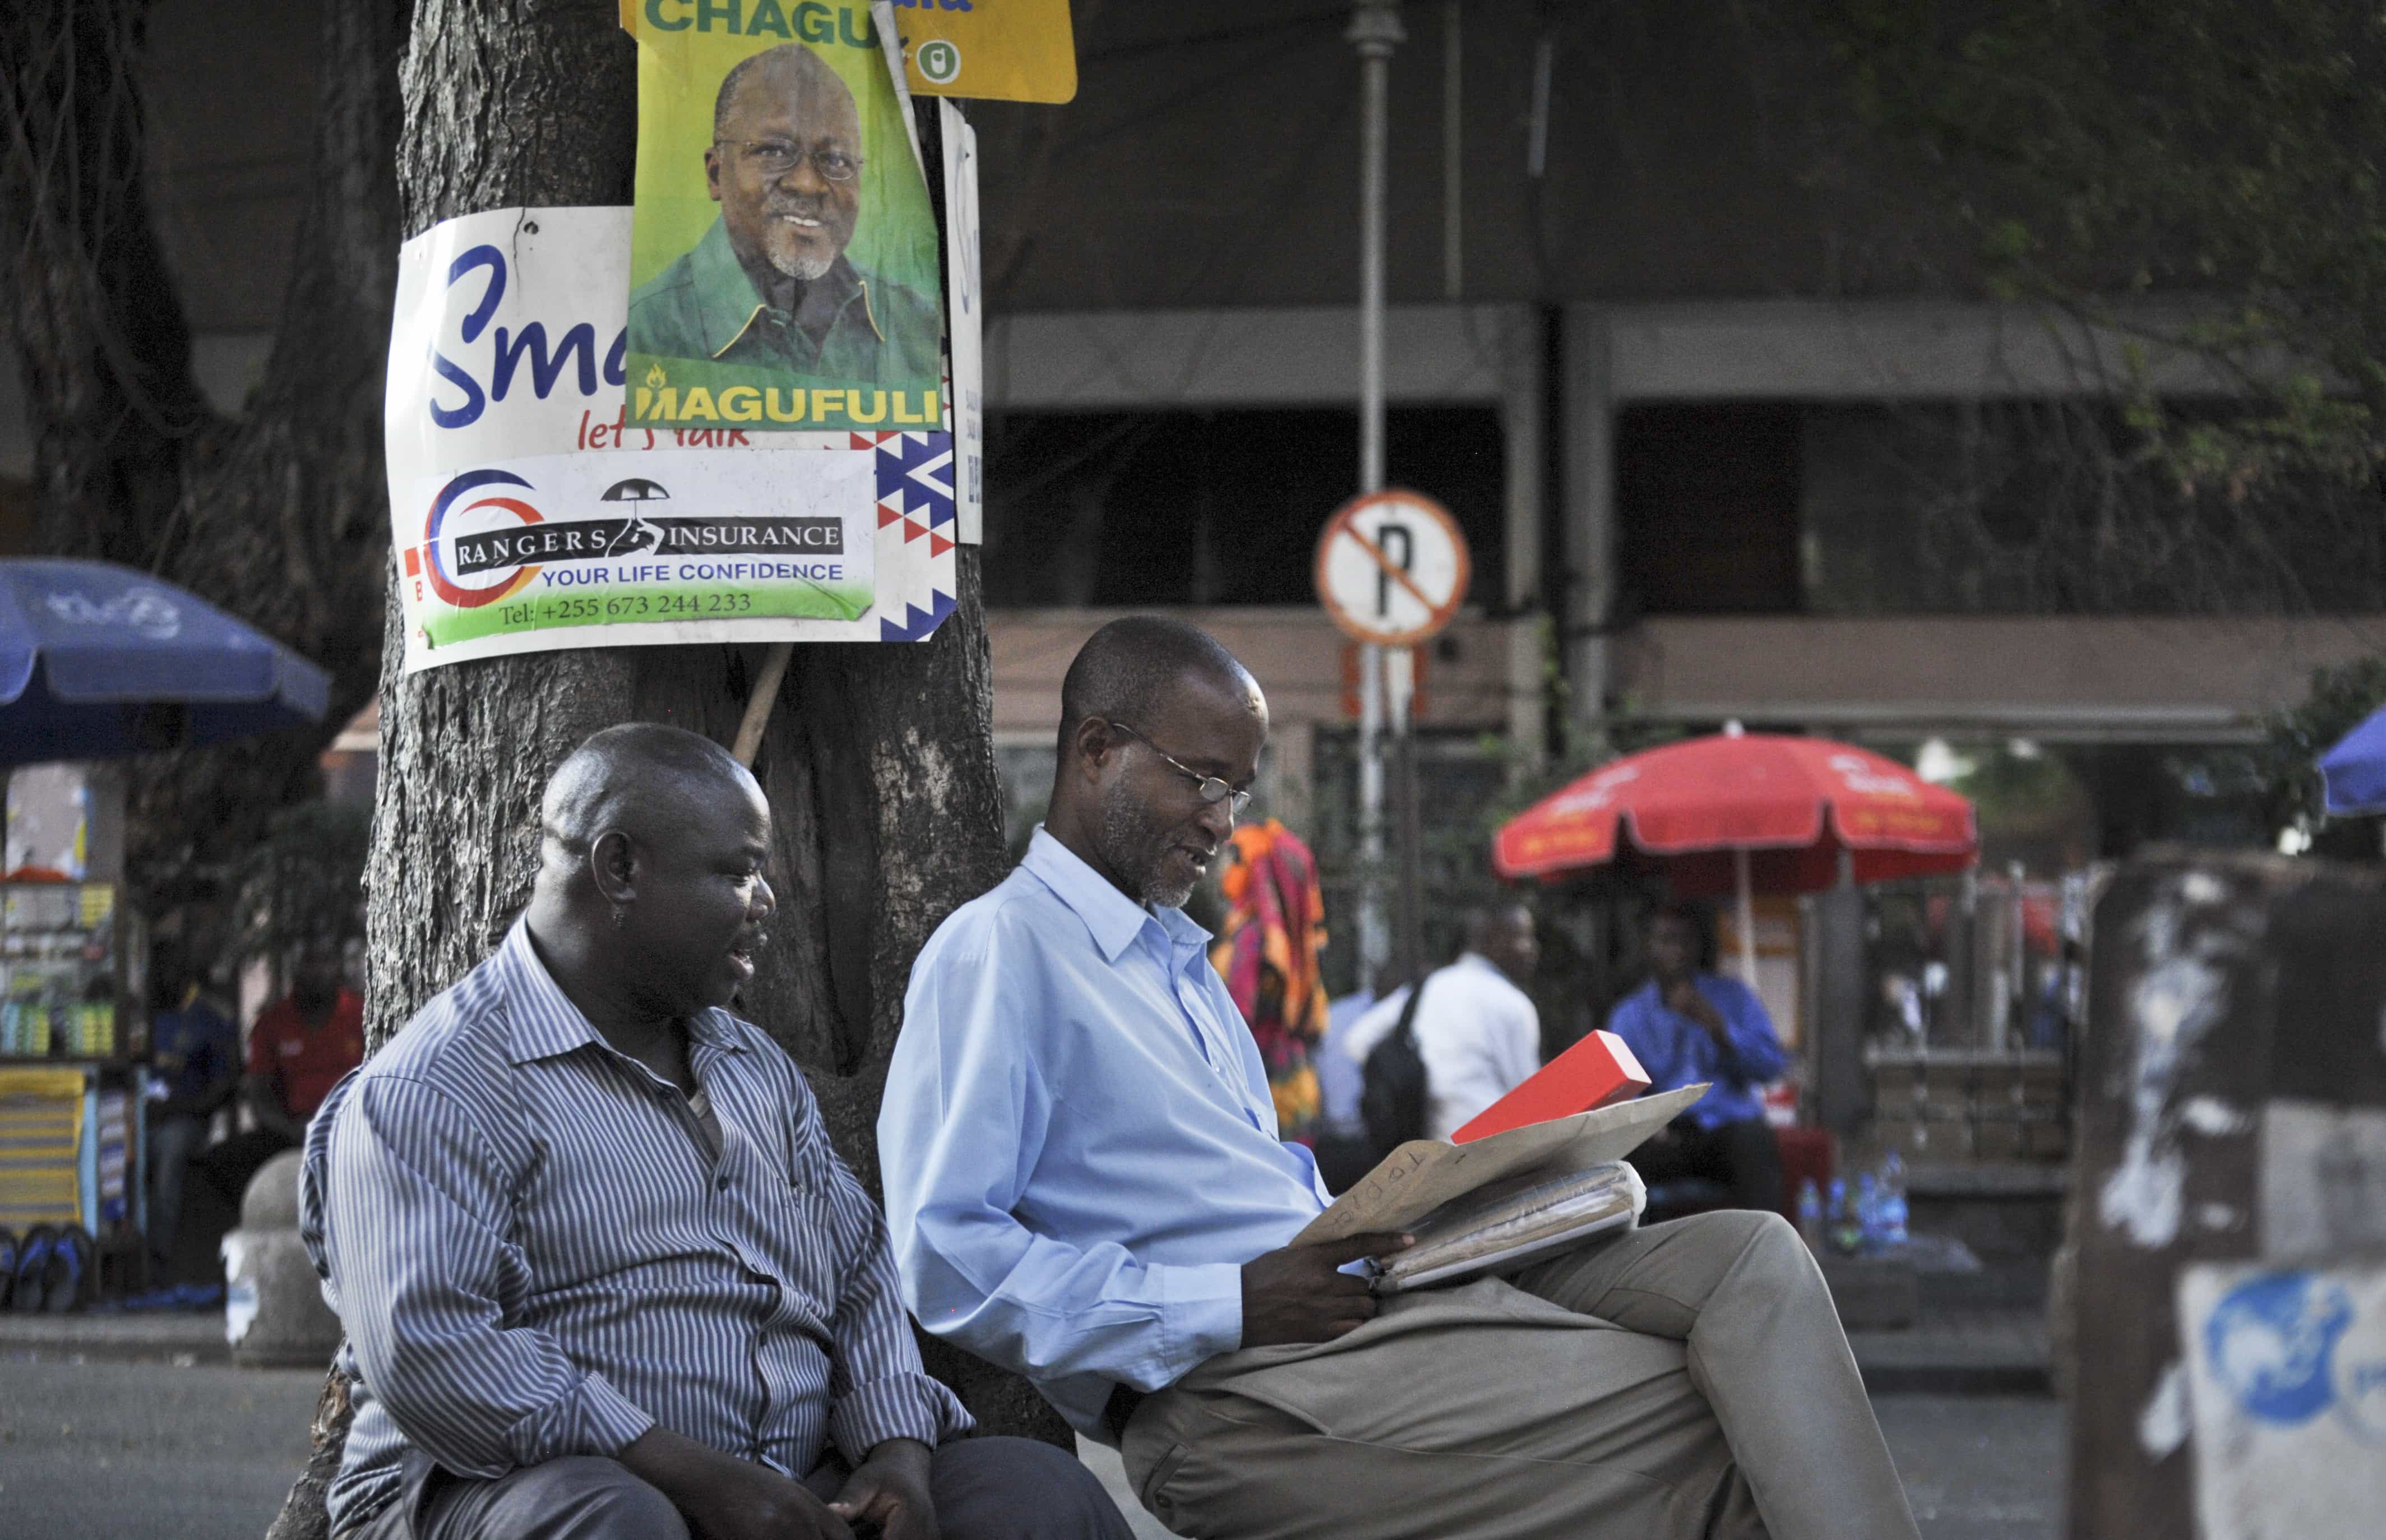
[1078, 1143]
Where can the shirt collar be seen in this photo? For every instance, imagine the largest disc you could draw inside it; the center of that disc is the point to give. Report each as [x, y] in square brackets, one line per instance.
[728, 302]
[544, 1022]
[1114, 919]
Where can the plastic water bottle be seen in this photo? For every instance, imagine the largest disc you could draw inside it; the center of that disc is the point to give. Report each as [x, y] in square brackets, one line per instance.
[1845, 1234]
[1893, 1210]
[1867, 1213]
[1810, 1215]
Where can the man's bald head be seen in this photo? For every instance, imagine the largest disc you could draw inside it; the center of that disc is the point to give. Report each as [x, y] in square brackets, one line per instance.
[1126, 672]
[651, 896]
[642, 778]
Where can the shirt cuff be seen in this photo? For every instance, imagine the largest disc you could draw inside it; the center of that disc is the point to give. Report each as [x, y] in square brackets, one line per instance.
[902, 1405]
[593, 1420]
[1200, 1315]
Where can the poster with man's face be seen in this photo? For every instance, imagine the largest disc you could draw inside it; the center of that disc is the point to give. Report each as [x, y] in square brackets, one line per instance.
[783, 266]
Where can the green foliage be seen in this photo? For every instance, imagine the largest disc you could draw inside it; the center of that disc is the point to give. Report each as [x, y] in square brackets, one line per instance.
[2288, 758]
[2218, 156]
[2009, 786]
[304, 882]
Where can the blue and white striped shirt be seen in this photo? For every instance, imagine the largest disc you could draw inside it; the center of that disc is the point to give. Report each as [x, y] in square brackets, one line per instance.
[536, 1256]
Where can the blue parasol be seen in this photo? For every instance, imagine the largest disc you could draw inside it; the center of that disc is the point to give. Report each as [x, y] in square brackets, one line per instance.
[2355, 770]
[98, 661]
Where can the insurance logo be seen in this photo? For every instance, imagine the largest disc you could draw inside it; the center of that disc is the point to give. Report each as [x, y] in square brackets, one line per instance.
[489, 533]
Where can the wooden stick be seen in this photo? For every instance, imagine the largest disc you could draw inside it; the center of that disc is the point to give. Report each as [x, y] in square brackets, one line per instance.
[759, 703]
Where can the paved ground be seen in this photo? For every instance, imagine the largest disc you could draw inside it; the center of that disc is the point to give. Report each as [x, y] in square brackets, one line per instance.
[1980, 1467]
[1971, 1351]
[145, 1449]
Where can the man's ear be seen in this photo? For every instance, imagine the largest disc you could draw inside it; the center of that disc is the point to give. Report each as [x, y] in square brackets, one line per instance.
[713, 171]
[613, 866]
[1092, 745]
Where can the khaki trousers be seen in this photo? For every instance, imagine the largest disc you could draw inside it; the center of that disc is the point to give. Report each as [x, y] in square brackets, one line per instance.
[1686, 1380]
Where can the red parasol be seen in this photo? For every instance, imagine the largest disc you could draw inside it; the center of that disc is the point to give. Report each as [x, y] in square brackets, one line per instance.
[1747, 812]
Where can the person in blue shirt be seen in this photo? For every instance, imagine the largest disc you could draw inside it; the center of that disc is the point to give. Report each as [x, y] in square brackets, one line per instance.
[1084, 1184]
[195, 1052]
[1690, 1023]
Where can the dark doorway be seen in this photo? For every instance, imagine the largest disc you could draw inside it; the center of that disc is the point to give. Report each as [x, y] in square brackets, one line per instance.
[1706, 508]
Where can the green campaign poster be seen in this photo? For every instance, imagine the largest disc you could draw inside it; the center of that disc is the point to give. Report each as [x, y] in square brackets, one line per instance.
[782, 255]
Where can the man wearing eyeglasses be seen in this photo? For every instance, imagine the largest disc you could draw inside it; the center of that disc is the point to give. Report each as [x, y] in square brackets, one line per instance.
[770, 284]
[1084, 1183]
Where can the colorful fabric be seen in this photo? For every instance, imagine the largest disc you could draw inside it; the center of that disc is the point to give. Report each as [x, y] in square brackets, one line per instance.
[1267, 953]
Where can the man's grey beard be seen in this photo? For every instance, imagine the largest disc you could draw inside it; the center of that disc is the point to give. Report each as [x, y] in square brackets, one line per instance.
[803, 270]
[1128, 840]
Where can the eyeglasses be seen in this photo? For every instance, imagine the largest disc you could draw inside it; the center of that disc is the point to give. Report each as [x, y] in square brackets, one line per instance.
[1213, 789]
[776, 158]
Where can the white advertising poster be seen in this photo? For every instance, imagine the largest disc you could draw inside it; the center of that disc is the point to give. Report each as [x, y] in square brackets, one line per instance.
[2287, 1399]
[965, 322]
[504, 414]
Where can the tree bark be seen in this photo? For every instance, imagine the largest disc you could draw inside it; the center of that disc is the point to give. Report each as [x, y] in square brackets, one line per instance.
[879, 760]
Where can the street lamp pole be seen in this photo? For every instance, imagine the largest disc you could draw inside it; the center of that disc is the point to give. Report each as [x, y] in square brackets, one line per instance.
[1374, 31]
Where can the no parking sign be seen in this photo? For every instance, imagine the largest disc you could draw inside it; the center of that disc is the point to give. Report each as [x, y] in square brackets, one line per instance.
[1392, 568]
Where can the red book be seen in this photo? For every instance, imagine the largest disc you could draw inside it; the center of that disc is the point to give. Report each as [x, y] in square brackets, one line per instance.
[1597, 1072]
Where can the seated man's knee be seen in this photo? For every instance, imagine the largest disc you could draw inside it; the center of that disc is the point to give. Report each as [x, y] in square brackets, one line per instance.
[1759, 1234]
[1774, 1244]
[1020, 1489]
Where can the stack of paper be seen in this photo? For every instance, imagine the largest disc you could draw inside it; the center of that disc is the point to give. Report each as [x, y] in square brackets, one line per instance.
[1502, 1225]
[1408, 1187]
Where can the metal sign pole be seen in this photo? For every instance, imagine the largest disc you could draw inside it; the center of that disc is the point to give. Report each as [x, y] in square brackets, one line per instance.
[1408, 940]
[1374, 30]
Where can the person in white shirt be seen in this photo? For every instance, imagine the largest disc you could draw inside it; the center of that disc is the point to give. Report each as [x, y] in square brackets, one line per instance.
[1477, 1031]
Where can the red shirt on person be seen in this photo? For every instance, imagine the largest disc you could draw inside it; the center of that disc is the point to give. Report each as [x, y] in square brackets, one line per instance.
[307, 1061]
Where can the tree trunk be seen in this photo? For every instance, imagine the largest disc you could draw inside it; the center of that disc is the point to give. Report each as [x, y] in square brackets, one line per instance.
[879, 760]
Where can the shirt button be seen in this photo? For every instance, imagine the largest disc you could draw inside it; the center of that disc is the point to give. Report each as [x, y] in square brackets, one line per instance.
[720, 1182]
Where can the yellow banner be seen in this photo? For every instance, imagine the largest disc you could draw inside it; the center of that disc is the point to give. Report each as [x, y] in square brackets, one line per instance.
[1000, 50]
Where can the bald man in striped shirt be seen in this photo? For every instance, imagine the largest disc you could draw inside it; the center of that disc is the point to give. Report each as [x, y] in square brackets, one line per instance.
[602, 1275]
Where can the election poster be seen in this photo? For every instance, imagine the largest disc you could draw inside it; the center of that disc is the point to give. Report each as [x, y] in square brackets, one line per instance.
[527, 513]
[783, 272]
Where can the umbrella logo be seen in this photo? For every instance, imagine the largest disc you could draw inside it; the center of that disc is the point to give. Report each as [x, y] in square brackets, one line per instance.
[638, 534]
[145, 610]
